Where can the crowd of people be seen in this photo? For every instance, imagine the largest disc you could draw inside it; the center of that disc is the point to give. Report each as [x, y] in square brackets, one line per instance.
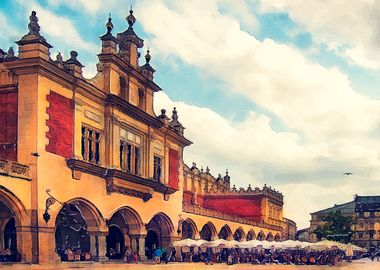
[264, 256]
[7, 255]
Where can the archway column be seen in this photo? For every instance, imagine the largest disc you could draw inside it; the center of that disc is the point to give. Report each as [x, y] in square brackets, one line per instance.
[141, 241]
[101, 247]
[46, 243]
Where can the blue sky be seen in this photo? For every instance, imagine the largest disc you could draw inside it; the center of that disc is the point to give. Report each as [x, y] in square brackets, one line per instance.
[283, 93]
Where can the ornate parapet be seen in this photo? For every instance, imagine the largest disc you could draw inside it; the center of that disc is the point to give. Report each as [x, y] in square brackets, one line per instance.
[14, 169]
[198, 210]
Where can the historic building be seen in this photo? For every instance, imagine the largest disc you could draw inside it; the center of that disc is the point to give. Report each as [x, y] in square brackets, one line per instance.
[365, 212]
[87, 169]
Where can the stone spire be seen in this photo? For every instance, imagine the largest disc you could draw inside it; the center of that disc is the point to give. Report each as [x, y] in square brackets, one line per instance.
[74, 65]
[129, 42]
[33, 44]
[147, 69]
[175, 124]
[109, 42]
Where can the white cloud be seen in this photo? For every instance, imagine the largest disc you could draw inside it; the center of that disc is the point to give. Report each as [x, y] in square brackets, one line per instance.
[349, 27]
[92, 6]
[58, 28]
[330, 124]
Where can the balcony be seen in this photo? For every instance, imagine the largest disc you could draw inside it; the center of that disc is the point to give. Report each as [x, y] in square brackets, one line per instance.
[14, 169]
[198, 210]
[120, 181]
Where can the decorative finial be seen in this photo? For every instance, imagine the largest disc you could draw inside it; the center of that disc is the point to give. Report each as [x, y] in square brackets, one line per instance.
[109, 24]
[59, 57]
[73, 55]
[175, 115]
[147, 56]
[34, 28]
[11, 53]
[201, 168]
[163, 112]
[226, 171]
[207, 170]
[131, 19]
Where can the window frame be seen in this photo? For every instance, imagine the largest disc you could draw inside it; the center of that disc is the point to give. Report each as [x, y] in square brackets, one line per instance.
[85, 153]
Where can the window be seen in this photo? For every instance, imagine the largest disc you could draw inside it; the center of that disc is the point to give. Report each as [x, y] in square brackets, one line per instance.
[90, 145]
[130, 153]
[157, 168]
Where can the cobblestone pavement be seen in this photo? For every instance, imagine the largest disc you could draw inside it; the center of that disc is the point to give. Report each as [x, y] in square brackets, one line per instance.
[357, 265]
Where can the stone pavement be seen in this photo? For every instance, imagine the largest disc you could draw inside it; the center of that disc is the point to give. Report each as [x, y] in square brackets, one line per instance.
[357, 265]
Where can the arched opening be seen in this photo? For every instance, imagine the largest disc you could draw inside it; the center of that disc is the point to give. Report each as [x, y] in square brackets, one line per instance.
[261, 236]
[141, 104]
[270, 237]
[208, 232]
[123, 233]
[115, 243]
[239, 235]
[151, 243]
[124, 89]
[225, 233]
[251, 235]
[9, 219]
[74, 223]
[160, 227]
[277, 237]
[188, 229]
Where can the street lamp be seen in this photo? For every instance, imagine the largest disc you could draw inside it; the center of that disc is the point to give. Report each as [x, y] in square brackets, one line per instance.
[49, 202]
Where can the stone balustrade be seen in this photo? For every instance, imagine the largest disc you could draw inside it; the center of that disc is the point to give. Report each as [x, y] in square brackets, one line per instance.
[14, 169]
[198, 210]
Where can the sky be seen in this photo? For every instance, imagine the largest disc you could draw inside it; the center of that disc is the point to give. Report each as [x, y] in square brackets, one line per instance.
[283, 93]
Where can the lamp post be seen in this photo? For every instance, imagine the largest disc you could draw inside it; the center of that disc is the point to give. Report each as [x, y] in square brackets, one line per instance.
[49, 202]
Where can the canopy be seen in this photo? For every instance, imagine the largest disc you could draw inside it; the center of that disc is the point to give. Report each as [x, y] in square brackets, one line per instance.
[189, 243]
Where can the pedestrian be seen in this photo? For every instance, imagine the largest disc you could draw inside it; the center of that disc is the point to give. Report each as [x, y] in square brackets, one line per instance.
[157, 255]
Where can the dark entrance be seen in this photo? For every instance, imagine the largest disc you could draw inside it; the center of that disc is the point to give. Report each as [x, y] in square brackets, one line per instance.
[10, 240]
[71, 236]
[206, 233]
[151, 243]
[115, 243]
[8, 237]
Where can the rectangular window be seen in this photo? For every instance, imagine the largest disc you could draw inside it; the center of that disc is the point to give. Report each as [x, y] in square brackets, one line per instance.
[130, 153]
[90, 145]
[157, 168]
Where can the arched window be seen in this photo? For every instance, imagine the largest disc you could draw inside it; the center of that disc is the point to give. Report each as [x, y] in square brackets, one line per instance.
[124, 89]
[141, 99]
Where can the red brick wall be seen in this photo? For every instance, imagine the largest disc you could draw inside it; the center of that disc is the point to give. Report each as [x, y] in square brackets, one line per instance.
[200, 200]
[173, 168]
[60, 123]
[245, 207]
[8, 125]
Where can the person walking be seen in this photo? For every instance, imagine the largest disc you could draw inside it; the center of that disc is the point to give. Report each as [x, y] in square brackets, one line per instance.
[157, 255]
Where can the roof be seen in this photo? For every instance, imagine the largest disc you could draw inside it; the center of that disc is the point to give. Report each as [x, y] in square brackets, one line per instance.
[346, 208]
[367, 199]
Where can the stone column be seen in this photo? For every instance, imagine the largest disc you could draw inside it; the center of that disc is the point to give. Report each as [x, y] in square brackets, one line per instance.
[141, 240]
[93, 248]
[46, 243]
[101, 247]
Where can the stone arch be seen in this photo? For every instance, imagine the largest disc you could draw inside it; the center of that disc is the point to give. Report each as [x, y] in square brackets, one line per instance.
[251, 235]
[269, 237]
[225, 233]
[124, 228]
[160, 230]
[239, 234]
[13, 204]
[260, 236]
[277, 237]
[12, 216]
[189, 229]
[208, 232]
[77, 226]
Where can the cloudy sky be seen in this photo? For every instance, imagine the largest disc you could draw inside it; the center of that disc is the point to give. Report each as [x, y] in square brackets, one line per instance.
[279, 92]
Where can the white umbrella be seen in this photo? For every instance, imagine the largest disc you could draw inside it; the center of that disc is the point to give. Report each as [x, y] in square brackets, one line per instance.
[250, 244]
[185, 243]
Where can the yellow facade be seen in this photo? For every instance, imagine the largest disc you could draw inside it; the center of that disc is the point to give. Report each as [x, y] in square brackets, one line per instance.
[118, 106]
